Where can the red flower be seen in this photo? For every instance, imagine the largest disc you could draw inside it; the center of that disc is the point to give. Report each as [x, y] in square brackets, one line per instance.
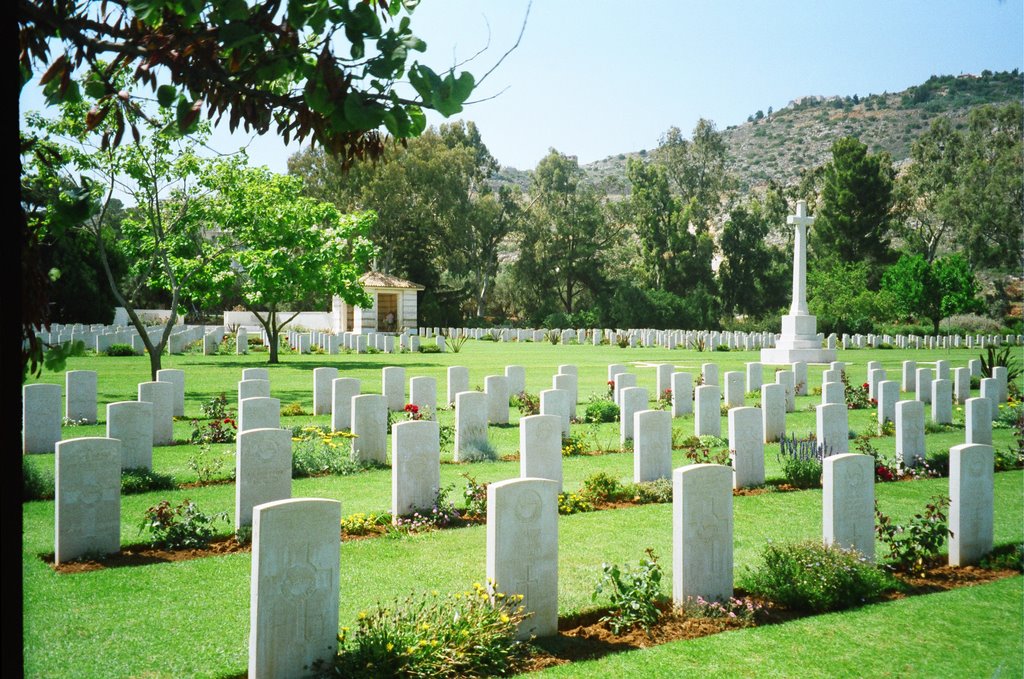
[411, 408]
[611, 383]
[865, 386]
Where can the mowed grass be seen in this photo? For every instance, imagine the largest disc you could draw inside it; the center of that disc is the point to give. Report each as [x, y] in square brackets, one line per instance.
[191, 618]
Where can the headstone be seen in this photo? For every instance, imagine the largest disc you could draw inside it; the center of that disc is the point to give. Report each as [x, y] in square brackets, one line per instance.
[80, 395]
[442, 345]
[556, 402]
[131, 422]
[746, 444]
[516, 377]
[294, 586]
[848, 503]
[800, 378]
[253, 389]
[161, 395]
[415, 466]
[522, 549]
[974, 366]
[663, 378]
[614, 369]
[924, 385]
[941, 370]
[87, 497]
[709, 373]
[875, 375]
[241, 341]
[831, 376]
[322, 379]
[978, 421]
[470, 424]
[496, 388]
[652, 445]
[370, 426]
[682, 394]
[833, 392]
[423, 393]
[833, 428]
[773, 411]
[568, 383]
[1001, 375]
[361, 344]
[702, 524]
[755, 376]
[971, 503]
[259, 412]
[633, 400]
[990, 390]
[734, 385]
[888, 395]
[255, 374]
[342, 391]
[961, 385]
[788, 380]
[40, 417]
[393, 388]
[707, 417]
[909, 376]
[540, 448]
[458, 382]
[263, 470]
[910, 446]
[623, 381]
[942, 401]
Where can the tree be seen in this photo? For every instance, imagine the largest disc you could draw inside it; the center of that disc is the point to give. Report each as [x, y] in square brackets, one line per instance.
[289, 250]
[855, 216]
[990, 195]
[259, 64]
[753, 276]
[928, 189]
[160, 238]
[932, 290]
[838, 294]
[562, 243]
[696, 172]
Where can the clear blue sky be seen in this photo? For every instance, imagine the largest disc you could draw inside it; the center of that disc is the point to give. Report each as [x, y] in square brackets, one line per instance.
[595, 78]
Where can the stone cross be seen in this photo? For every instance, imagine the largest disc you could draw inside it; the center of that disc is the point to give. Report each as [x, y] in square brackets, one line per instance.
[801, 220]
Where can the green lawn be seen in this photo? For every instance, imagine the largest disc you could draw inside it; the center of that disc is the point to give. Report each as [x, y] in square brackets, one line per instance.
[191, 618]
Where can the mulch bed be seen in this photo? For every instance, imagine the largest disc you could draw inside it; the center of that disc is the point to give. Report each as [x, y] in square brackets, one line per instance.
[585, 637]
[143, 555]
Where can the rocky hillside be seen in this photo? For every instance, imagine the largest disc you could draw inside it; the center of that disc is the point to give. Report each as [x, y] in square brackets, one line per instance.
[778, 145]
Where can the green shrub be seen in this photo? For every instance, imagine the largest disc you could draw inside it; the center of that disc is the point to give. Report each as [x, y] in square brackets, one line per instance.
[653, 492]
[801, 460]
[573, 503]
[1010, 557]
[810, 576]
[602, 487]
[216, 408]
[142, 480]
[316, 452]
[601, 410]
[475, 496]
[573, 445]
[207, 464]
[120, 350]
[635, 594]
[468, 634]
[527, 403]
[36, 484]
[429, 349]
[181, 527]
[364, 524]
[913, 545]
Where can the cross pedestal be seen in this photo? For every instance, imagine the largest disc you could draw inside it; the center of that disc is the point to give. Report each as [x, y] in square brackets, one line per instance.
[799, 340]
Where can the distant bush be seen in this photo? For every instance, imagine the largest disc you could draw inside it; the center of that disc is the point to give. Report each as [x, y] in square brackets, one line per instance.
[36, 484]
[142, 480]
[120, 350]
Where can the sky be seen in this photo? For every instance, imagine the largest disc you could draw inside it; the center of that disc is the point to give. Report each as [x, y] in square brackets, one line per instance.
[597, 78]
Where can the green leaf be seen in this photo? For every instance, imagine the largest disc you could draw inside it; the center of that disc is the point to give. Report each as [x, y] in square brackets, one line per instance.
[165, 95]
[463, 87]
[417, 119]
[364, 115]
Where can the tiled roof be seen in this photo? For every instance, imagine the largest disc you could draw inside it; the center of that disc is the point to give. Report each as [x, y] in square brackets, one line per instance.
[376, 279]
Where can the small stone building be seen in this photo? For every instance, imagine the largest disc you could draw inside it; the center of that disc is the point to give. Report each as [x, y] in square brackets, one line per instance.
[393, 310]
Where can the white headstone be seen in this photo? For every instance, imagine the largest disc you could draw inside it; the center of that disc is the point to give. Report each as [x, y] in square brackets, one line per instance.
[709, 373]
[131, 422]
[415, 466]
[342, 391]
[942, 401]
[923, 391]
[909, 376]
[702, 524]
[294, 586]
[734, 385]
[663, 378]
[255, 374]
[633, 400]
[568, 383]
[746, 444]
[496, 388]
[833, 392]
[393, 387]
[888, 394]
[682, 394]
[773, 411]
[556, 402]
[370, 426]
[848, 503]
[259, 412]
[540, 448]
[623, 381]
[800, 378]
[833, 428]
[40, 417]
[910, 446]
[263, 470]
[652, 445]
[87, 505]
[707, 411]
[978, 421]
[755, 376]
[322, 379]
[80, 395]
[516, 376]
[423, 393]
[161, 395]
[522, 549]
[971, 504]
[458, 382]
[961, 385]
[788, 380]
[470, 424]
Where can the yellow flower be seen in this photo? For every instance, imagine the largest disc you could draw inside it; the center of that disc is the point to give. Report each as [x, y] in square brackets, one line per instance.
[423, 642]
[390, 646]
[362, 615]
[504, 618]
